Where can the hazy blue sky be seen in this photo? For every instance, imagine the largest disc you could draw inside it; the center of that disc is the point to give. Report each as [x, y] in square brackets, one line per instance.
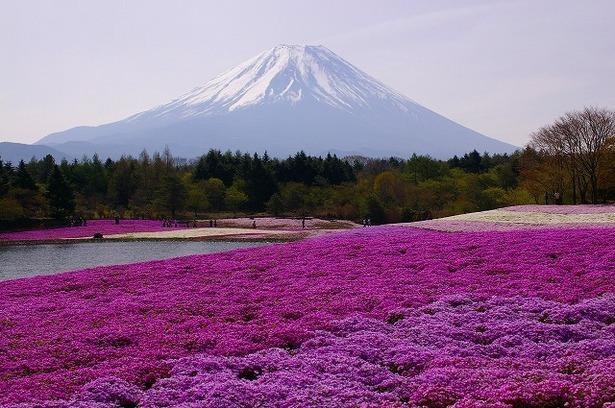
[502, 68]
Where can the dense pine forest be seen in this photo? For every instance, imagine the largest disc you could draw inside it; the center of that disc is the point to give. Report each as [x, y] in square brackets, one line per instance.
[562, 164]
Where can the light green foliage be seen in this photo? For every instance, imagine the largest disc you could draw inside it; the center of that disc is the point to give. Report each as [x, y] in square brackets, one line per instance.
[234, 198]
[215, 191]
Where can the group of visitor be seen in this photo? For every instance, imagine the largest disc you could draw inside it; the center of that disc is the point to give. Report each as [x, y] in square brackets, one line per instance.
[557, 198]
[367, 222]
[77, 221]
[167, 222]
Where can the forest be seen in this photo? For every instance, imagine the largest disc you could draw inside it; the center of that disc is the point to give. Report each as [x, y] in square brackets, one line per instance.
[564, 162]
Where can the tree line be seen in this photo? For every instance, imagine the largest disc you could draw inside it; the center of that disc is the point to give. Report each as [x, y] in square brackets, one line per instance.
[573, 157]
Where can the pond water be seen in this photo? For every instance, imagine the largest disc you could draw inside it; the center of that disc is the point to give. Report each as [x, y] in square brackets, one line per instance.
[18, 261]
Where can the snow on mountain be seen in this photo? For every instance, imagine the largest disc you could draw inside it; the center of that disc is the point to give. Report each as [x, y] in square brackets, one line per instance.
[286, 74]
[286, 99]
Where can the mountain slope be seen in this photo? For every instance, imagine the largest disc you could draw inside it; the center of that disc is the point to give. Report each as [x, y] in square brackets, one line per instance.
[287, 99]
[14, 152]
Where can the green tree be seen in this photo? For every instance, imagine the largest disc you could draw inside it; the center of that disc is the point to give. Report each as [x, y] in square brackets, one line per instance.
[234, 198]
[23, 179]
[10, 209]
[375, 210]
[260, 183]
[197, 198]
[275, 205]
[45, 166]
[295, 197]
[5, 178]
[171, 194]
[471, 162]
[123, 182]
[214, 189]
[59, 194]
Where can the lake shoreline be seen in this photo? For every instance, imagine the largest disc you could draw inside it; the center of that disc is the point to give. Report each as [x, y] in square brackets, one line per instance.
[241, 229]
[291, 236]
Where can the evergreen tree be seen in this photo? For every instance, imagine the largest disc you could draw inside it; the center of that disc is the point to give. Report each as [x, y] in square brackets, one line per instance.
[260, 184]
[454, 162]
[123, 183]
[45, 166]
[215, 165]
[172, 194]
[59, 194]
[4, 179]
[471, 162]
[23, 179]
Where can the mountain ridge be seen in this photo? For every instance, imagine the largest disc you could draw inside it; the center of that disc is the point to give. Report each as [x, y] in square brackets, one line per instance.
[14, 152]
[286, 99]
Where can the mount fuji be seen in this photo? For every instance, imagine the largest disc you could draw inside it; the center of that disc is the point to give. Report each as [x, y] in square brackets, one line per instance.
[286, 99]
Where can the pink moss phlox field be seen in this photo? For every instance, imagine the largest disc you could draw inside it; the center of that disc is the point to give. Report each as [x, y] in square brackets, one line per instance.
[459, 350]
[564, 209]
[105, 227]
[456, 349]
[385, 316]
[288, 224]
[443, 224]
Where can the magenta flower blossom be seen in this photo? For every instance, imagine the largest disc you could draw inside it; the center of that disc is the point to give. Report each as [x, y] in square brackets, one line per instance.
[105, 227]
[518, 351]
[390, 316]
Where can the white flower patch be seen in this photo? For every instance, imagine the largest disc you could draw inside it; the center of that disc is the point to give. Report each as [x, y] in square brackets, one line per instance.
[534, 218]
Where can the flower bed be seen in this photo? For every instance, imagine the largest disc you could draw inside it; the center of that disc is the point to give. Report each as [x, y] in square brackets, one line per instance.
[565, 209]
[455, 350]
[389, 315]
[289, 224]
[525, 217]
[461, 225]
[105, 227]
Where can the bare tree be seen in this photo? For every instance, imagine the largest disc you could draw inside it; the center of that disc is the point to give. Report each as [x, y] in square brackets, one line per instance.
[579, 141]
[595, 132]
[541, 173]
[557, 154]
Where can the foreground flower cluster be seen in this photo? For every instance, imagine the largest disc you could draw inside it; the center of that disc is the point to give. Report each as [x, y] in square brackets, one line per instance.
[105, 227]
[391, 316]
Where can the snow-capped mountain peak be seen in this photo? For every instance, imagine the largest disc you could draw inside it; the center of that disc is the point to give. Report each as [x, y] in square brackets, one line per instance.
[288, 74]
[286, 99]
